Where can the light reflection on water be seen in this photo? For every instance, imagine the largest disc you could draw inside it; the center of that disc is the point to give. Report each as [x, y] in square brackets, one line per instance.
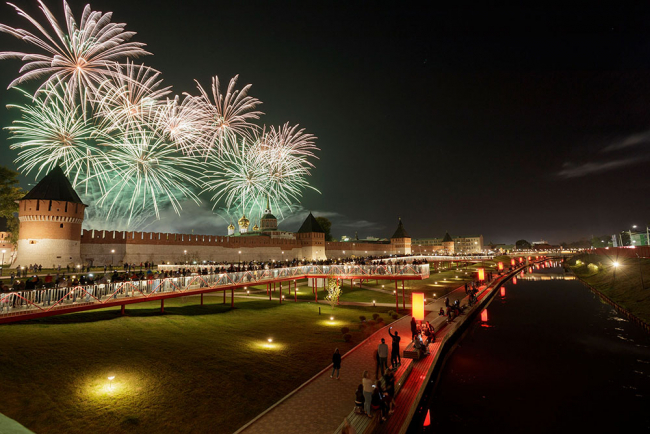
[551, 356]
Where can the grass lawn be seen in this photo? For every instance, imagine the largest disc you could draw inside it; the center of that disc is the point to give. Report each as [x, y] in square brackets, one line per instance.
[625, 288]
[196, 368]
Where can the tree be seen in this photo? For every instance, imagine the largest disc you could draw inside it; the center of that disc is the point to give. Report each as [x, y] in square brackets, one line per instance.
[333, 290]
[10, 192]
[326, 225]
[522, 245]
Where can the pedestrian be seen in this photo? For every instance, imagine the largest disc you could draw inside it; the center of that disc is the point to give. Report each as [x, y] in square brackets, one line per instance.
[366, 382]
[376, 355]
[382, 351]
[446, 301]
[395, 358]
[336, 364]
[414, 329]
[359, 400]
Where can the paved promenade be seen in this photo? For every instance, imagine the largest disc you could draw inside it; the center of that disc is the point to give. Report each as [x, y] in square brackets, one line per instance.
[321, 404]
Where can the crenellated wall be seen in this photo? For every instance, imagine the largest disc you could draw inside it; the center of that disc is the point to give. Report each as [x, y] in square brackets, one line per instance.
[106, 247]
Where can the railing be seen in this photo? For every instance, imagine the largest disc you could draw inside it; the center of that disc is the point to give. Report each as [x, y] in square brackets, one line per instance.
[433, 258]
[110, 293]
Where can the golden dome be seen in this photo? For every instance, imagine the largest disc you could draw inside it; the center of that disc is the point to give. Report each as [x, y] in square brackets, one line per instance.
[256, 228]
[231, 226]
[243, 222]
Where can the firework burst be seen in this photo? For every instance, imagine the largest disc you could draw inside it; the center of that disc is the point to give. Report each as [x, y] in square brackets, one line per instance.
[225, 117]
[82, 54]
[52, 131]
[129, 98]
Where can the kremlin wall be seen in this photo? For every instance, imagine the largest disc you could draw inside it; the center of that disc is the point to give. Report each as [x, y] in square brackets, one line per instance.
[51, 216]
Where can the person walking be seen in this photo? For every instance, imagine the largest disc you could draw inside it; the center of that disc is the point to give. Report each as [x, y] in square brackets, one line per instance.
[395, 359]
[367, 392]
[336, 364]
[414, 329]
[382, 351]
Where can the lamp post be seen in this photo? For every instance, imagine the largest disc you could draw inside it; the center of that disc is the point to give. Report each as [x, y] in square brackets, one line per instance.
[112, 254]
[282, 257]
[185, 253]
[2, 266]
[240, 258]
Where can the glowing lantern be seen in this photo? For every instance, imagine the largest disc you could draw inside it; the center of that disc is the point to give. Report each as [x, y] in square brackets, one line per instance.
[481, 274]
[522, 273]
[529, 258]
[500, 266]
[514, 280]
[521, 260]
[418, 305]
[427, 420]
[503, 291]
[484, 315]
[512, 262]
[530, 269]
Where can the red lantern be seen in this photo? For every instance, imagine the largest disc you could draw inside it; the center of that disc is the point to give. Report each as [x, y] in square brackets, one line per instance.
[484, 315]
[521, 260]
[427, 420]
[512, 262]
[418, 305]
[481, 274]
[514, 280]
[500, 266]
[503, 290]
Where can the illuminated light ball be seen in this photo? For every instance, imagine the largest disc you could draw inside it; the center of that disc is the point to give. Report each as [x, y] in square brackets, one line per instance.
[331, 318]
[615, 264]
[270, 340]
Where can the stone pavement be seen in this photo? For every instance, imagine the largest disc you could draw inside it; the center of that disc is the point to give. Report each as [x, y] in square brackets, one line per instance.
[321, 404]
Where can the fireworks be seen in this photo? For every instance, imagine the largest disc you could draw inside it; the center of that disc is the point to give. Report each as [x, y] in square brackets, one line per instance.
[81, 54]
[225, 117]
[51, 131]
[111, 126]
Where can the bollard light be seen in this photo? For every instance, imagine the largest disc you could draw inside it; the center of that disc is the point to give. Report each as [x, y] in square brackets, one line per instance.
[110, 379]
[331, 318]
[270, 340]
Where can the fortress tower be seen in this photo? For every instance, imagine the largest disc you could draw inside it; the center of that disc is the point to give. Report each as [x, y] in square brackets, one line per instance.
[401, 241]
[312, 239]
[50, 218]
[269, 222]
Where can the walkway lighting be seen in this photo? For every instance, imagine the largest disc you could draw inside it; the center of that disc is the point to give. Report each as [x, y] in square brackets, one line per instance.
[373, 303]
[270, 340]
[331, 318]
[616, 264]
[110, 379]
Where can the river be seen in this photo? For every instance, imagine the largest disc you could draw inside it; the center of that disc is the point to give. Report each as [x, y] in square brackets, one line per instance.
[551, 357]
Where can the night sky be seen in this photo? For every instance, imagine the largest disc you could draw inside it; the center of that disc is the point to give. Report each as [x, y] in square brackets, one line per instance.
[512, 123]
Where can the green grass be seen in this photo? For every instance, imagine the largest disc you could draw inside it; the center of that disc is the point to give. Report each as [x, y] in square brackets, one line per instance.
[196, 368]
[625, 287]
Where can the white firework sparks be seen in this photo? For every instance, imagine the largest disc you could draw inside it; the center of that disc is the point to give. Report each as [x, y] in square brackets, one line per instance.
[81, 54]
[225, 117]
[130, 97]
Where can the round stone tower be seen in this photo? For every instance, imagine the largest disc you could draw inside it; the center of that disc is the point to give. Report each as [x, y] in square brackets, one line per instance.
[50, 218]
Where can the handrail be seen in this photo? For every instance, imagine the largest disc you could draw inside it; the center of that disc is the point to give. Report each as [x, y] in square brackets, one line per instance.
[101, 293]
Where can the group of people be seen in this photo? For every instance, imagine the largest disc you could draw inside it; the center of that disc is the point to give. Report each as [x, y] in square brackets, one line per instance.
[422, 335]
[375, 395]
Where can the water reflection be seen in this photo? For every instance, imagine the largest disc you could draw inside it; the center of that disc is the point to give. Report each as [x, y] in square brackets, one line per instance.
[553, 358]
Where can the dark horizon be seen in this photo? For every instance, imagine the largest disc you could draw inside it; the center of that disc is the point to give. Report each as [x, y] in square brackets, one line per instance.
[519, 122]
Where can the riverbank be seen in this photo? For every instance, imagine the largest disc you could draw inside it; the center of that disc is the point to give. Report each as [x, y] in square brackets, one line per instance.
[625, 285]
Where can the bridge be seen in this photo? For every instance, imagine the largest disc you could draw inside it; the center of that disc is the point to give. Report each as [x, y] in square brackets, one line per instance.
[38, 303]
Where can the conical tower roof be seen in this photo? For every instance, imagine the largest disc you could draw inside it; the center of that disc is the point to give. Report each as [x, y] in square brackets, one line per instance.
[400, 232]
[55, 186]
[447, 238]
[310, 225]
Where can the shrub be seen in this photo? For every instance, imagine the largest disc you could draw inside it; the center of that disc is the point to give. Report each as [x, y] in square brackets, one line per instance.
[347, 337]
[379, 319]
[370, 323]
[390, 312]
[375, 315]
[395, 316]
[362, 318]
[345, 330]
[362, 326]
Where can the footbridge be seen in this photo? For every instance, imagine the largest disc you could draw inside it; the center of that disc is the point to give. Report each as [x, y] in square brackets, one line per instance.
[38, 303]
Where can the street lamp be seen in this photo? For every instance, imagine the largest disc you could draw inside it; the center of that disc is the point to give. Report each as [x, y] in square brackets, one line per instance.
[2, 266]
[240, 258]
[110, 379]
[185, 253]
[112, 253]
